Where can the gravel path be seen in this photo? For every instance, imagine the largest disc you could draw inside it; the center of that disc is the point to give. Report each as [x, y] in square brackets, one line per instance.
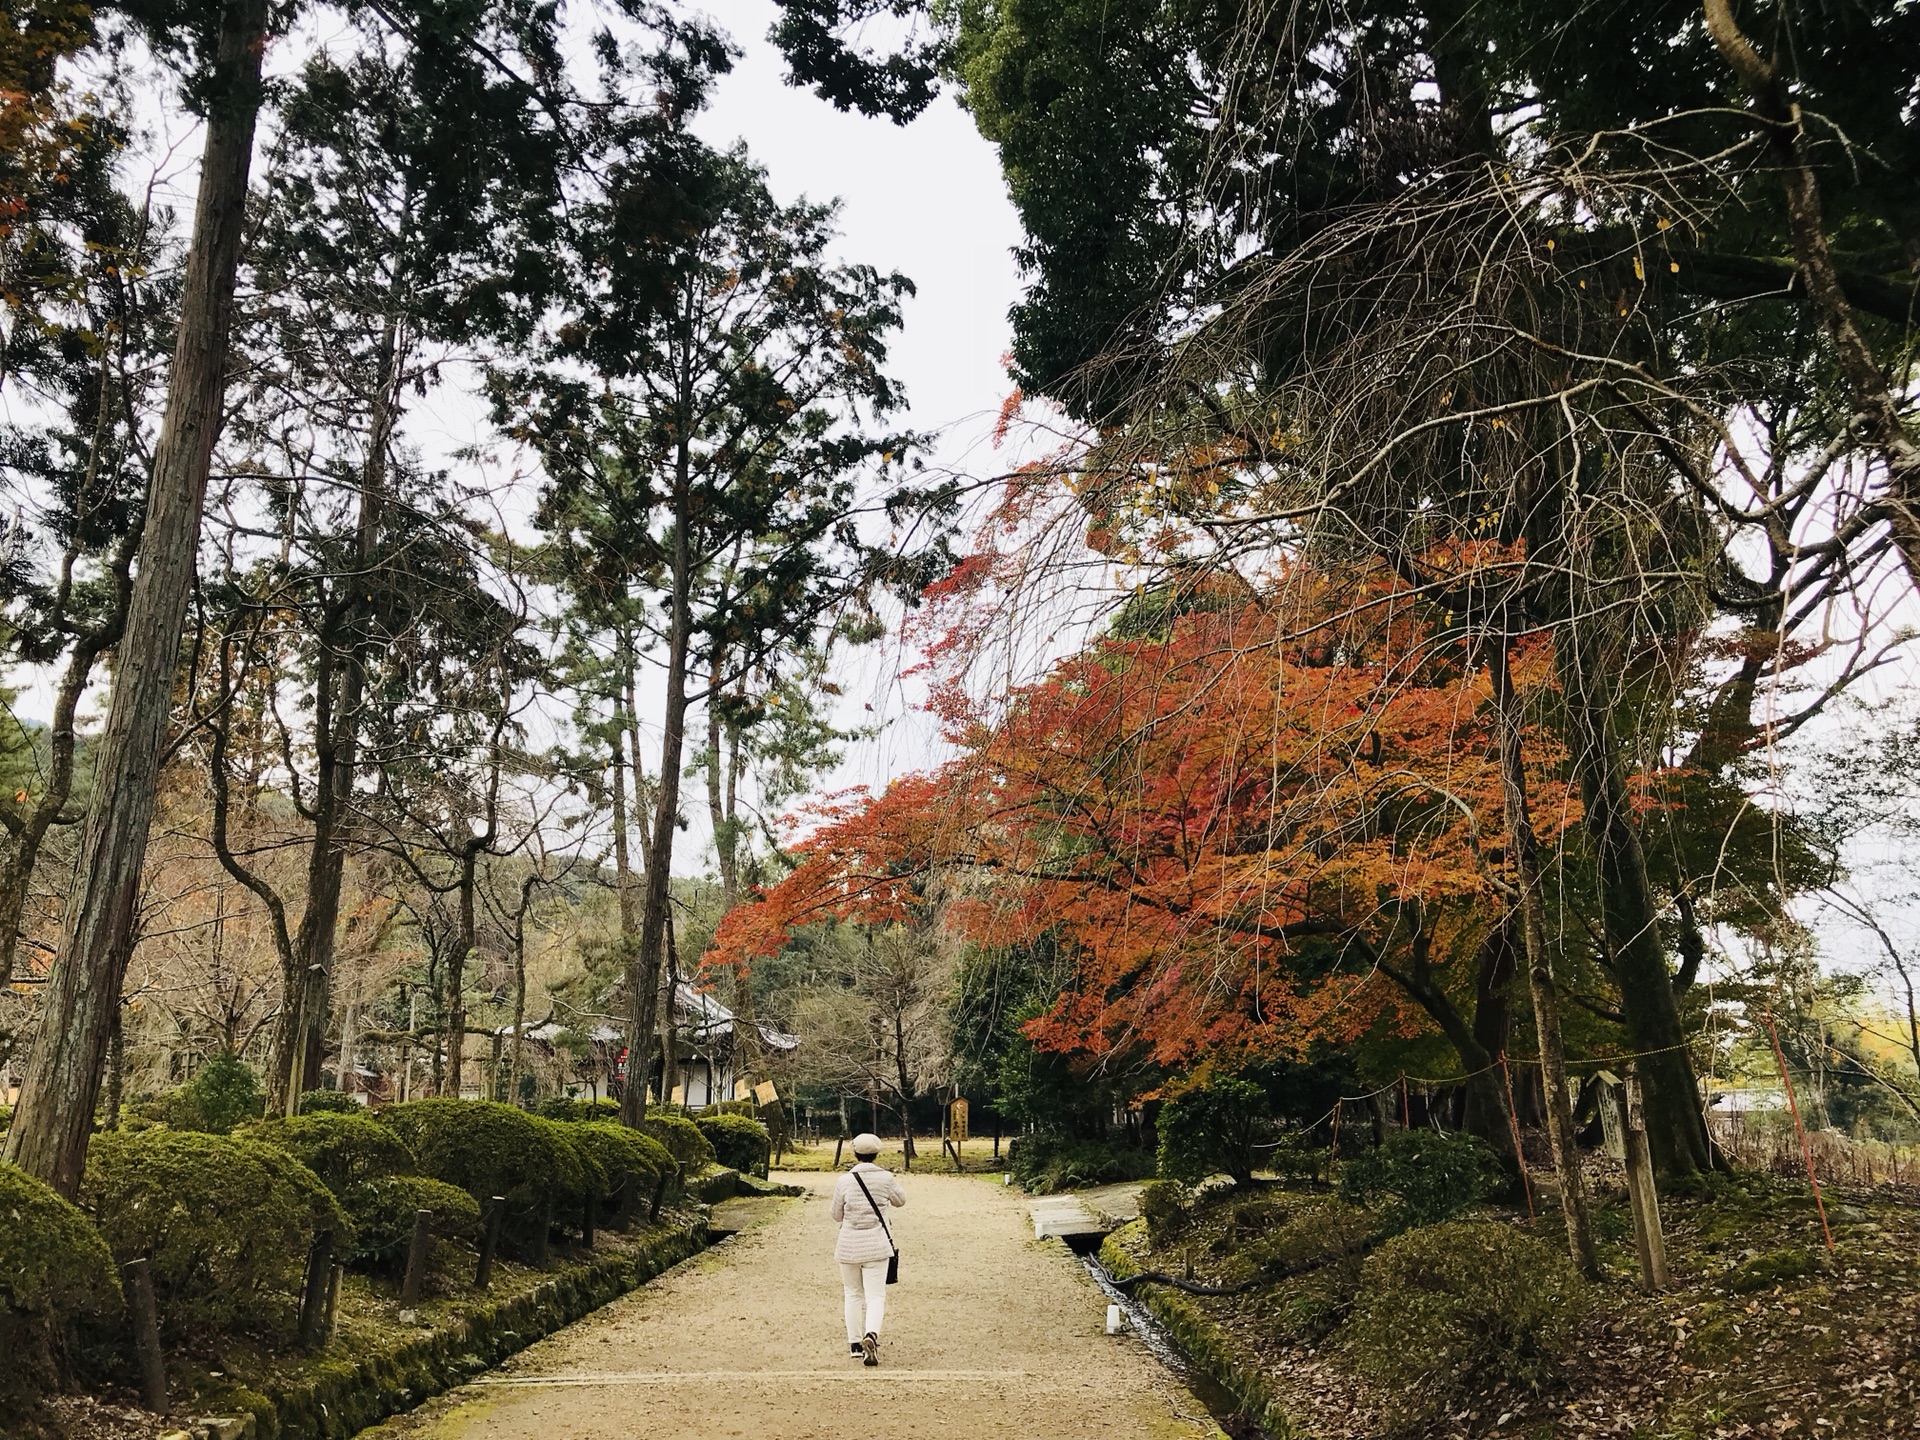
[989, 1334]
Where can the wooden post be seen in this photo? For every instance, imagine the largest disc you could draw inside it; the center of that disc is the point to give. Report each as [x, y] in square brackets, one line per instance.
[838, 1145]
[543, 1225]
[629, 1203]
[489, 1241]
[313, 1300]
[659, 1194]
[333, 1302]
[417, 1251]
[589, 1214]
[1648, 1241]
[146, 1337]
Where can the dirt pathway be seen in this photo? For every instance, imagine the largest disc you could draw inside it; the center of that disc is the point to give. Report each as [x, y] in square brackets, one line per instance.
[989, 1333]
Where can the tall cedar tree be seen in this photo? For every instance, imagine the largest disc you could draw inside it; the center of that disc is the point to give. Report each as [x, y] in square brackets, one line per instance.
[707, 411]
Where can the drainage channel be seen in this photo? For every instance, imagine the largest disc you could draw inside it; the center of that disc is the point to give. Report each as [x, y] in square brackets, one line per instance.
[1219, 1400]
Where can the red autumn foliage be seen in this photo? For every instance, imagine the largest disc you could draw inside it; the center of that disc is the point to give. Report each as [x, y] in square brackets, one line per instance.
[1240, 823]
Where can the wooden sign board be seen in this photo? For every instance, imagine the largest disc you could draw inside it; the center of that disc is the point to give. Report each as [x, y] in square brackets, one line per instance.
[740, 1090]
[957, 1122]
[765, 1094]
[679, 1095]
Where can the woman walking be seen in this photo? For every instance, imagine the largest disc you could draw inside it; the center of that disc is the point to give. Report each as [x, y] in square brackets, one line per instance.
[865, 1248]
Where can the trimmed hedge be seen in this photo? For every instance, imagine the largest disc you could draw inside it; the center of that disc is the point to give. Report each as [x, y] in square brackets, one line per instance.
[633, 1163]
[383, 1208]
[738, 1143]
[341, 1149]
[691, 1150]
[54, 1268]
[577, 1174]
[225, 1222]
[484, 1147]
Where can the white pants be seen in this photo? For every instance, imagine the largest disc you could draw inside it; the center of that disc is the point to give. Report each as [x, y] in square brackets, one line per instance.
[866, 1287]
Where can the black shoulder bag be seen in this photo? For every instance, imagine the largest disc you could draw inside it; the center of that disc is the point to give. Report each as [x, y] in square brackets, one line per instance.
[893, 1264]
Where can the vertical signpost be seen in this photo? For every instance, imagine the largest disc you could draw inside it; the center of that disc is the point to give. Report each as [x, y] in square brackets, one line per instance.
[956, 1129]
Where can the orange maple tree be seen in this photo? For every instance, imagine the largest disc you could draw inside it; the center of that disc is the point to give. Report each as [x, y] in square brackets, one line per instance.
[1254, 820]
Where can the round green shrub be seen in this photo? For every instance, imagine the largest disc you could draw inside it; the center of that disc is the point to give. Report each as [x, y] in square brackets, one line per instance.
[483, 1146]
[1420, 1177]
[341, 1149]
[1212, 1127]
[383, 1210]
[576, 1173]
[225, 1223]
[224, 1093]
[54, 1267]
[738, 1143]
[691, 1150]
[330, 1102]
[1457, 1306]
[633, 1163]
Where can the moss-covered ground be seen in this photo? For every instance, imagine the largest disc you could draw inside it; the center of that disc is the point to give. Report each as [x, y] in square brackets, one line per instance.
[382, 1358]
[1762, 1334]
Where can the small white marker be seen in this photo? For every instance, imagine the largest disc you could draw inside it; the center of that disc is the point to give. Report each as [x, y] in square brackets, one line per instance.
[1007, 1179]
[1116, 1320]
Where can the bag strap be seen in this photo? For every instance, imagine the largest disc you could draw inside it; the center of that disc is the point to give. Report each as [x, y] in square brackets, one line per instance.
[876, 1210]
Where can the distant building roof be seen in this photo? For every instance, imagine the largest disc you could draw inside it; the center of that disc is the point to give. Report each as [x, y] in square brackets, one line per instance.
[704, 1019]
[697, 1015]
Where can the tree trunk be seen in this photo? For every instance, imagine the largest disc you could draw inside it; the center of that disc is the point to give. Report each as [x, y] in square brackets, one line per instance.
[665, 1026]
[1525, 854]
[343, 1073]
[454, 1035]
[1676, 1124]
[519, 992]
[1486, 1105]
[1486, 1109]
[50, 1133]
[338, 742]
[643, 978]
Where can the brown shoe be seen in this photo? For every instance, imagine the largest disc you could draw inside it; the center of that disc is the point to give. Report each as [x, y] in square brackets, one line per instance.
[870, 1348]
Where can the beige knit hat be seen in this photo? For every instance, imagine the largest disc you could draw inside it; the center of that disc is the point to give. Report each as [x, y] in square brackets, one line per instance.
[866, 1144]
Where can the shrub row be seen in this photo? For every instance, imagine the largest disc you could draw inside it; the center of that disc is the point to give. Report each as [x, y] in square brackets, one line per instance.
[226, 1221]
